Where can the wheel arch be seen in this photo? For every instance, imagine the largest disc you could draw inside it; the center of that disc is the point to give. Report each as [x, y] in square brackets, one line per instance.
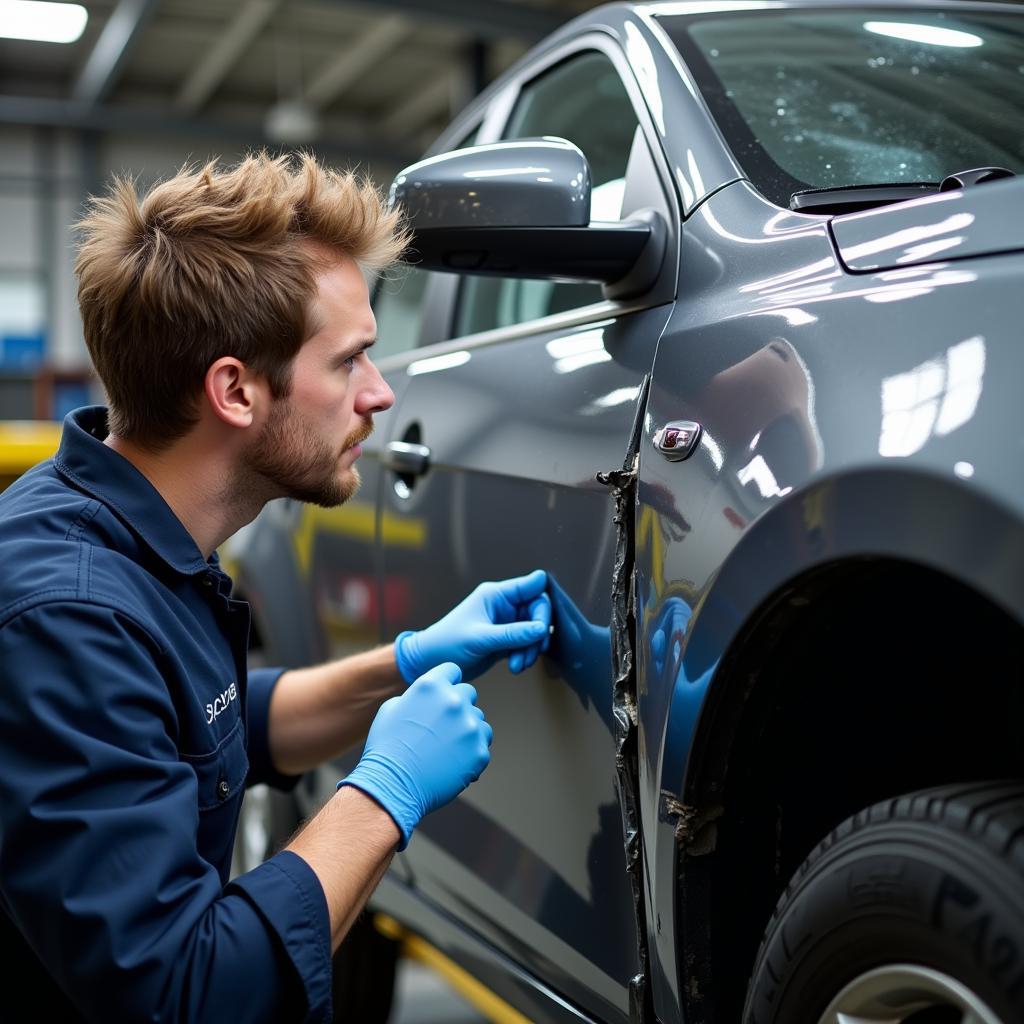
[803, 546]
[823, 553]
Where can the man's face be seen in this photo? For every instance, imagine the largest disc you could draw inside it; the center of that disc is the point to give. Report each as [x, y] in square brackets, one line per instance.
[308, 446]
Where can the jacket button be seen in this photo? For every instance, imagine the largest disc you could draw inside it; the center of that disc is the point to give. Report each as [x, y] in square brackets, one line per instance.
[223, 789]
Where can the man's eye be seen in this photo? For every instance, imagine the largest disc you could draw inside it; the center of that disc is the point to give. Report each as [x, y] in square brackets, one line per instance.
[349, 362]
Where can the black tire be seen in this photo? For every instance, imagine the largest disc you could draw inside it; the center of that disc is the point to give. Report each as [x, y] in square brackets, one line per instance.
[933, 879]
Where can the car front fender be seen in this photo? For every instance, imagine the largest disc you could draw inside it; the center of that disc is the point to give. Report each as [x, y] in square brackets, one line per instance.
[690, 694]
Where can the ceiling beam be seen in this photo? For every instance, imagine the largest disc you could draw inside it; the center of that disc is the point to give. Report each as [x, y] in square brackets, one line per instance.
[356, 60]
[106, 61]
[411, 116]
[486, 19]
[231, 43]
[355, 144]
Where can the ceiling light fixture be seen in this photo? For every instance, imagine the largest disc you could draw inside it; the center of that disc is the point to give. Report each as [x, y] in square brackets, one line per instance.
[291, 123]
[42, 22]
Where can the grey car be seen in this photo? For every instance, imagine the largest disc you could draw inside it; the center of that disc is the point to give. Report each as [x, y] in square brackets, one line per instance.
[714, 314]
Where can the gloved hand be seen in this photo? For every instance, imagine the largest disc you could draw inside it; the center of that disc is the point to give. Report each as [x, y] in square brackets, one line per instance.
[423, 748]
[539, 610]
[496, 619]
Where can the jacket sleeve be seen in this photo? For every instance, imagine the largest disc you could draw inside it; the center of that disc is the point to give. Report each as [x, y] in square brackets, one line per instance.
[99, 866]
[261, 768]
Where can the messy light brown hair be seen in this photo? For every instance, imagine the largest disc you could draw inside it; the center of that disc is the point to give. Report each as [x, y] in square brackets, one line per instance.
[211, 263]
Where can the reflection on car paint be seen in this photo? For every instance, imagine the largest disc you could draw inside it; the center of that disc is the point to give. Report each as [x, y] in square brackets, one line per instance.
[935, 398]
[357, 521]
[435, 363]
[574, 351]
[618, 396]
[641, 57]
[910, 239]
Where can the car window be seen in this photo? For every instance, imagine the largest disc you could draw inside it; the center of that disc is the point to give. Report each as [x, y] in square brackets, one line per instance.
[398, 307]
[820, 99]
[582, 100]
[399, 298]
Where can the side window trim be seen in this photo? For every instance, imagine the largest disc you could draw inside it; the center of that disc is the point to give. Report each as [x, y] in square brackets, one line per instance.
[597, 313]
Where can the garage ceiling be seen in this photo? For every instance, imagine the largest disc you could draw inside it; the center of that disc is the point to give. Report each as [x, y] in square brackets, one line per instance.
[368, 79]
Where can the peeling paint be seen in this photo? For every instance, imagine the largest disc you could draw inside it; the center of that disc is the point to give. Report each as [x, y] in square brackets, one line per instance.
[623, 485]
[673, 808]
[631, 709]
[696, 831]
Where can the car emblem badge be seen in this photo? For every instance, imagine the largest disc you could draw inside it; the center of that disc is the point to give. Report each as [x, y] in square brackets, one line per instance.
[677, 440]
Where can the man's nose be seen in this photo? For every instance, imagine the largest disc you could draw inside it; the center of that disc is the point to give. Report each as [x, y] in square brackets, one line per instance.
[375, 395]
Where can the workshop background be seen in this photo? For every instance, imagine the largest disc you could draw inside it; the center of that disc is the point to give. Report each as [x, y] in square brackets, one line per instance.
[141, 87]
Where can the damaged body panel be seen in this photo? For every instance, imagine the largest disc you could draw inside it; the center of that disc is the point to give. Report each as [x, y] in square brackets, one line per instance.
[622, 483]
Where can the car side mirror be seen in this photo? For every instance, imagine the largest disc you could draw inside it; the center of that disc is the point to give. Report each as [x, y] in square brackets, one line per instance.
[522, 209]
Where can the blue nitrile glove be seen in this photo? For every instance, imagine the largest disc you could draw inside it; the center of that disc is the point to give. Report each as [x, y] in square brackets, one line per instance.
[423, 748]
[495, 620]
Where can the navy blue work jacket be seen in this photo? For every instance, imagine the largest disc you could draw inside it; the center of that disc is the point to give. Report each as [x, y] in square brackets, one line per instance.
[128, 731]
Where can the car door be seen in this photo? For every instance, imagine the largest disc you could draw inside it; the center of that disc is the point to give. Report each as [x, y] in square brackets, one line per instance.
[532, 396]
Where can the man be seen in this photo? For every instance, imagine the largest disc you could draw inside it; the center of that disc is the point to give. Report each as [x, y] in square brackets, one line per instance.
[228, 318]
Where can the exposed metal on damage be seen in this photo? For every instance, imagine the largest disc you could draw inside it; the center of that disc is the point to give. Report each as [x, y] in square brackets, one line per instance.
[623, 484]
[695, 830]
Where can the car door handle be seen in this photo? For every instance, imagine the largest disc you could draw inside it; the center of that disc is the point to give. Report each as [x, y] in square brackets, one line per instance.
[406, 458]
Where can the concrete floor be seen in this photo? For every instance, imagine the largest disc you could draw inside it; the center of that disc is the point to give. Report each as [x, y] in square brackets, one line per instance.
[423, 997]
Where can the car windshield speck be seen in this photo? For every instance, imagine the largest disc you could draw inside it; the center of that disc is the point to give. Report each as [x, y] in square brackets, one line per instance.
[820, 98]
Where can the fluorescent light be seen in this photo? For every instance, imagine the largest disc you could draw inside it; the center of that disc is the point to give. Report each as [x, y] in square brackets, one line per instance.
[44, 22]
[930, 34]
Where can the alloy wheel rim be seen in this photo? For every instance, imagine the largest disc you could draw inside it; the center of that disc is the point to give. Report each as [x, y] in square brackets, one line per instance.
[896, 993]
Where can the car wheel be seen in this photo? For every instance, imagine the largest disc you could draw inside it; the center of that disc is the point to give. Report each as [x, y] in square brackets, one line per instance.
[910, 912]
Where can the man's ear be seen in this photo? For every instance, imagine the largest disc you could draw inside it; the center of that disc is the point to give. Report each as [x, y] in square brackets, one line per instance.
[234, 392]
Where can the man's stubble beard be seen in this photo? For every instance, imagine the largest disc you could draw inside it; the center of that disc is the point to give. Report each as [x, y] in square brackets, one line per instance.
[288, 459]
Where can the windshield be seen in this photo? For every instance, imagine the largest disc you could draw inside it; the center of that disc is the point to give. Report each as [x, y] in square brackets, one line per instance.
[819, 98]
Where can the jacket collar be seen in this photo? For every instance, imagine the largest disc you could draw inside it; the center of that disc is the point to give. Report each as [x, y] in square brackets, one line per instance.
[93, 467]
